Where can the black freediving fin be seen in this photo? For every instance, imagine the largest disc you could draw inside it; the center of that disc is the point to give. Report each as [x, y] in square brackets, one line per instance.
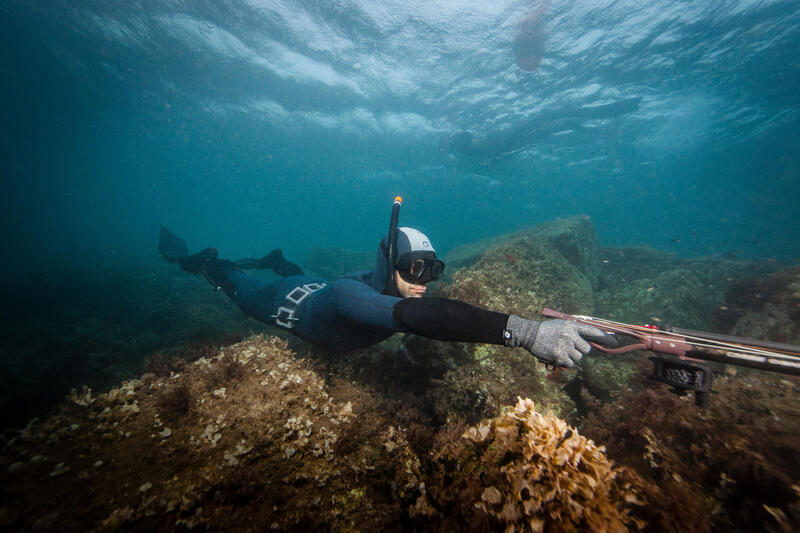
[171, 246]
[175, 250]
[274, 261]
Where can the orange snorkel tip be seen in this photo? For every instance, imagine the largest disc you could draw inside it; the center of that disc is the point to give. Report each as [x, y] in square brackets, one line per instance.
[398, 200]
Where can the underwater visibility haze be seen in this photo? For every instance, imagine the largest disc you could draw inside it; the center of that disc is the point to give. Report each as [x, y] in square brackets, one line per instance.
[671, 124]
[636, 160]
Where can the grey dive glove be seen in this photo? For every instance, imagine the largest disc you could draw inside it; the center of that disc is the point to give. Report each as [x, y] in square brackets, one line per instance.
[555, 342]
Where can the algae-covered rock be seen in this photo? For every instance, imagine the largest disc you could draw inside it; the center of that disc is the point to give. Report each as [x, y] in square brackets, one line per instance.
[768, 307]
[251, 437]
[675, 297]
[573, 238]
[732, 465]
[576, 241]
[523, 276]
[643, 285]
[603, 374]
[478, 389]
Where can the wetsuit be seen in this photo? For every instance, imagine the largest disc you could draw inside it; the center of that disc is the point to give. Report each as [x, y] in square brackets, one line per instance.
[352, 312]
[339, 316]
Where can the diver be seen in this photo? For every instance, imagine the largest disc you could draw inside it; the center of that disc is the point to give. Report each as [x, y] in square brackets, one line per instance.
[364, 308]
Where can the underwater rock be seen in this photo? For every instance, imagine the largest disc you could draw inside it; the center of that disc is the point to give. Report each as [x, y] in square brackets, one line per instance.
[644, 285]
[574, 238]
[718, 468]
[522, 276]
[602, 374]
[276, 448]
[313, 454]
[479, 388]
[768, 307]
[677, 297]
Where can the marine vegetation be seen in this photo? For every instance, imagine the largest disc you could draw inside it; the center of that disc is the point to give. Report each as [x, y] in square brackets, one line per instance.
[525, 471]
[277, 446]
[732, 465]
[272, 446]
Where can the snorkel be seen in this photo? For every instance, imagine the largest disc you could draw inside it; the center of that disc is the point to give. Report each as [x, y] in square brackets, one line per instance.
[391, 248]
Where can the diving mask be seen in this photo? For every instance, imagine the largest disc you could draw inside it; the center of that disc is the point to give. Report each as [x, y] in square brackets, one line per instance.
[420, 267]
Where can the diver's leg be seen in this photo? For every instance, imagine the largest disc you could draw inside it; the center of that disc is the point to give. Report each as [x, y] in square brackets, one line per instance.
[274, 261]
[253, 295]
[218, 273]
[194, 264]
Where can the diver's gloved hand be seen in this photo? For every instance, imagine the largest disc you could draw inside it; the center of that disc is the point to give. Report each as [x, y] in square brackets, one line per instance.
[555, 342]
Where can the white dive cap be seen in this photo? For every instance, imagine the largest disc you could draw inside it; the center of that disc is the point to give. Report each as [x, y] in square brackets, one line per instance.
[412, 240]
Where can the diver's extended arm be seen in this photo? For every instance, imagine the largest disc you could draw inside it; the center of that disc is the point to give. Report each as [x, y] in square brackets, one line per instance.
[557, 342]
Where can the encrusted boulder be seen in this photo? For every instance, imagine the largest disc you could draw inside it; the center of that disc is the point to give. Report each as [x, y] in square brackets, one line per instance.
[574, 238]
[522, 276]
[250, 435]
[732, 465]
[768, 307]
[254, 438]
[644, 285]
